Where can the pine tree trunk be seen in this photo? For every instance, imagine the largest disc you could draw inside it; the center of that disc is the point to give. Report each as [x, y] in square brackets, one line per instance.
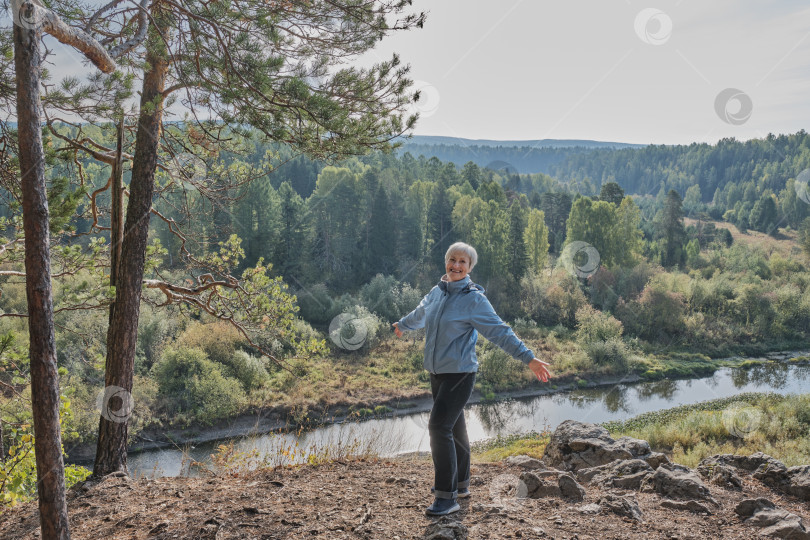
[42, 350]
[111, 452]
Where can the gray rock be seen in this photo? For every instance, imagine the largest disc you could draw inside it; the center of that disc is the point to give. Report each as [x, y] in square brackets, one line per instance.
[592, 508]
[623, 505]
[626, 474]
[798, 482]
[570, 488]
[746, 463]
[656, 459]
[772, 472]
[774, 522]
[679, 485]
[576, 445]
[446, 528]
[721, 475]
[557, 449]
[748, 507]
[532, 486]
[525, 462]
[691, 506]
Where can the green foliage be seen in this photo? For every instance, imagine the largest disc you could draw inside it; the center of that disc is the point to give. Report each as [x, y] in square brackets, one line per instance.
[194, 388]
[389, 298]
[497, 370]
[552, 300]
[536, 240]
[18, 471]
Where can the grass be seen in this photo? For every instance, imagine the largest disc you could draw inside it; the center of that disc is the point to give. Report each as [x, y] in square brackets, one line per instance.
[500, 448]
[777, 425]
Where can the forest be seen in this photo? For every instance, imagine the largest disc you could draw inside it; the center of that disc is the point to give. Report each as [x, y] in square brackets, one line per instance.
[264, 254]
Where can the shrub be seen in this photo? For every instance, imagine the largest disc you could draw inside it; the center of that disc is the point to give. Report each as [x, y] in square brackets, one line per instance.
[219, 340]
[612, 353]
[657, 315]
[552, 300]
[497, 369]
[594, 325]
[194, 387]
[389, 298]
[360, 329]
[249, 370]
[315, 304]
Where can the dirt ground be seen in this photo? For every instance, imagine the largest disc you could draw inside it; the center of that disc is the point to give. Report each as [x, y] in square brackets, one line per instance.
[379, 499]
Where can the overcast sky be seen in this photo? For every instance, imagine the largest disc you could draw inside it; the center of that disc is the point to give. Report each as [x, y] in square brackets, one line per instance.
[619, 70]
[613, 70]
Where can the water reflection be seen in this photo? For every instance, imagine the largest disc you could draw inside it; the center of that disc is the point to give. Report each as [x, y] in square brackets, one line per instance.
[664, 388]
[772, 375]
[505, 417]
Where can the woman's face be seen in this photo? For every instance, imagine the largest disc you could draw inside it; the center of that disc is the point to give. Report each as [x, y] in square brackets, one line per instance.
[457, 266]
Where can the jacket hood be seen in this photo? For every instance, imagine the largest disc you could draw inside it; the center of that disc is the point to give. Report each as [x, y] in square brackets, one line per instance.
[462, 285]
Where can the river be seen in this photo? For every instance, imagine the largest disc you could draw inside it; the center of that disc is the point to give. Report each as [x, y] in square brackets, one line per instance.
[401, 434]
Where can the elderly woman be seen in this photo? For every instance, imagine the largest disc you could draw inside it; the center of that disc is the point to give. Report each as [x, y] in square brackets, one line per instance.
[453, 313]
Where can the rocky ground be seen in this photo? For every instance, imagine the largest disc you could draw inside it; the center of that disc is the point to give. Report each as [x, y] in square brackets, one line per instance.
[634, 493]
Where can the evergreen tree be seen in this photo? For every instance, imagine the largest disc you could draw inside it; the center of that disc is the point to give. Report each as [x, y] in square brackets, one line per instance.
[536, 239]
[556, 207]
[671, 230]
[518, 221]
[611, 192]
[382, 251]
[472, 174]
[292, 231]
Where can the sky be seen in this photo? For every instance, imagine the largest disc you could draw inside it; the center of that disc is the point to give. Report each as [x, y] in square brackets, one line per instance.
[634, 71]
[668, 72]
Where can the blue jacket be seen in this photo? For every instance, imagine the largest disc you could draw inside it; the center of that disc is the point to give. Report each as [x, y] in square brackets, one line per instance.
[453, 313]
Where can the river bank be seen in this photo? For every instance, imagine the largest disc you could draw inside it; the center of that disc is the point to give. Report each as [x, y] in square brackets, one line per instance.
[284, 419]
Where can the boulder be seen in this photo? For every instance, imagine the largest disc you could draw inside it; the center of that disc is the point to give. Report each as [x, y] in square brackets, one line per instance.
[721, 475]
[577, 445]
[772, 472]
[626, 474]
[533, 487]
[774, 522]
[525, 462]
[570, 489]
[692, 506]
[623, 505]
[798, 482]
[679, 485]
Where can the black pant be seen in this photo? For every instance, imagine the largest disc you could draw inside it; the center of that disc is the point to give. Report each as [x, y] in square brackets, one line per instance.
[449, 443]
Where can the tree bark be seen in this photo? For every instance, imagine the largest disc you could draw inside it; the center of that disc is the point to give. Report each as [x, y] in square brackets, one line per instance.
[111, 451]
[44, 376]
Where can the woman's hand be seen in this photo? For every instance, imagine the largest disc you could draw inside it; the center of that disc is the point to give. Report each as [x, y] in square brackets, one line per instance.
[539, 368]
[397, 331]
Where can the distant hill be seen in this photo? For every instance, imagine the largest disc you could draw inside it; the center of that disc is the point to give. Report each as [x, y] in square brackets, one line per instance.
[531, 156]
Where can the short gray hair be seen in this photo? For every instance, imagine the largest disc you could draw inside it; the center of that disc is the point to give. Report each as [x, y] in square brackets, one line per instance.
[461, 247]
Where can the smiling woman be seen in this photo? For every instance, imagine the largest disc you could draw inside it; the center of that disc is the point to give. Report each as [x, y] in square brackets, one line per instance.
[459, 307]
